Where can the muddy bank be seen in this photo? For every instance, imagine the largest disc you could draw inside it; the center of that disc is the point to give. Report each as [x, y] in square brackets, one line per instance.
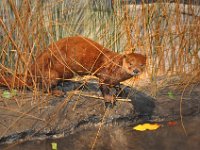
[77, 116]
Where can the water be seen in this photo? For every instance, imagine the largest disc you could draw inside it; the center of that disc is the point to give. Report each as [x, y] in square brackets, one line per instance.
[117, 137]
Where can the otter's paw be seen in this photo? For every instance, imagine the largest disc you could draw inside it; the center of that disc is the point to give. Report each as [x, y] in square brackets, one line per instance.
[109, 101]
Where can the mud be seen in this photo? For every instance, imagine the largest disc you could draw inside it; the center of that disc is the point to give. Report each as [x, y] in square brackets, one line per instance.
[73, 121]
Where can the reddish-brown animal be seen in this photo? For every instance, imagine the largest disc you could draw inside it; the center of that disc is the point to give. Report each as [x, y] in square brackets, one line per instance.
[81, 56]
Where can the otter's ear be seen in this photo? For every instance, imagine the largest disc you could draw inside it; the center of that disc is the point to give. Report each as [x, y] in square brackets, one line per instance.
[124, 60]
[124, 56]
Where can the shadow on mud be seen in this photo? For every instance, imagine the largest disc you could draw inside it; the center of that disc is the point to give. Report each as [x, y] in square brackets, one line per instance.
[143, 104]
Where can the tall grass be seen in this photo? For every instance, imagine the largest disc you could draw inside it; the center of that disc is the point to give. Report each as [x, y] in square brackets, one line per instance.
[168, 33]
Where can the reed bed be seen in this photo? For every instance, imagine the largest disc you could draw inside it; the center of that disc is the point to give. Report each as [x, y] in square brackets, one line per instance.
[168, 33]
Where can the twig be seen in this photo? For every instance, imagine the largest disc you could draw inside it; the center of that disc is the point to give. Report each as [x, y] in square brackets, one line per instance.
[99, 130]
[99, 97]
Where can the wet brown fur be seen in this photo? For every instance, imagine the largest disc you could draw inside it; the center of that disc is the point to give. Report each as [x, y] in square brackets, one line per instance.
[80, 56]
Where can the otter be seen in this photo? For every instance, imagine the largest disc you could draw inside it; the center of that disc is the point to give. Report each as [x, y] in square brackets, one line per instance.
[79, 55]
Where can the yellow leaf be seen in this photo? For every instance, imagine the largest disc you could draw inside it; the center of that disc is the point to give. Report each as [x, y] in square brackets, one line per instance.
[146, 126]
[54, 146]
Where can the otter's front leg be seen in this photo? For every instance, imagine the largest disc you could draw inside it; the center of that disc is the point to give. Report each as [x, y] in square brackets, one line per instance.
[109, 97]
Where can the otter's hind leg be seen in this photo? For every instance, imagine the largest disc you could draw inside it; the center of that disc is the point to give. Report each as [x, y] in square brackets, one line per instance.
[49, 80]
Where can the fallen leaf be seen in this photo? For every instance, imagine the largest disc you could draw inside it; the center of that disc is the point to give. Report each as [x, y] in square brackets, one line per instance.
[146, 126]
[14, 92]
[171, 123]
[8, 94]
[54, 146]
[171, 95]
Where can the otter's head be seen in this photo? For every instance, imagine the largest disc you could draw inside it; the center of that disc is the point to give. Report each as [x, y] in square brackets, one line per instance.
[134, 63]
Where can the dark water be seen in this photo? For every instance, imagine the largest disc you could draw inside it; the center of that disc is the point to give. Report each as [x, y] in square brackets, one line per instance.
[118, 137]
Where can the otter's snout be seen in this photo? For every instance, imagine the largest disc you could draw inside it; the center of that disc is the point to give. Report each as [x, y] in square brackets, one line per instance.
[136, 71]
